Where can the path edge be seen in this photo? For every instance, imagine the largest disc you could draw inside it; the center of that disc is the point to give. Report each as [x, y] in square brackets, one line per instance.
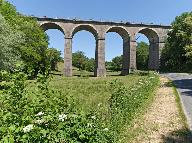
[189, 122]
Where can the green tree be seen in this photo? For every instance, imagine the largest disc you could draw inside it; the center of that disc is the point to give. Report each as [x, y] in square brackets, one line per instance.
[53, 57]
[79, 60]
[116, 64]
[35, 41]
[108, 65]
[9, 41]
[176, 56]
[142, 55]
[90, 65]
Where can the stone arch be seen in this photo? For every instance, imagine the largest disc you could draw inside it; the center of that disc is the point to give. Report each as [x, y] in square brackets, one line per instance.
[51, 25]
[119, 30]
[88, 28]
[151, 34]
[153, 38]
[91, 29]
[126, 47]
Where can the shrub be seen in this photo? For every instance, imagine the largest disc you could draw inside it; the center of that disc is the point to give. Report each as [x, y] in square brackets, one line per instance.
[43, 115]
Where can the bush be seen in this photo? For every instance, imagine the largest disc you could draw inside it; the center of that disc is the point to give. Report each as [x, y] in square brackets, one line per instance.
[43, 115]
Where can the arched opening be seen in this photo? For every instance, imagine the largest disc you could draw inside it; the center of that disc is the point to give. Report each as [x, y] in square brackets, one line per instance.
[56, 46]
[117, 55]
[83, 49]
[142, 52]
[147, 54]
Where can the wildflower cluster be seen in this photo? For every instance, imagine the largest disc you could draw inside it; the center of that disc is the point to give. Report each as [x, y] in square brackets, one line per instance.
[41, 117]
[39, 113]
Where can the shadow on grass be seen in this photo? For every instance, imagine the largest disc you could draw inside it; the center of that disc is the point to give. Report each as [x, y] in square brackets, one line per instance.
[169, 84]
[108, 73]
[60, 74]
[179, 136]
[85, 75]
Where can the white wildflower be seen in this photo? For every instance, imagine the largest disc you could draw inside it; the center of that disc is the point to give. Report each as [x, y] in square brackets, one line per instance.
[132, 89]
[106, 129]
[40, 114]
[141, 83]
[151, 77]
[99, 104]
[155, 73]
[39, 121]
[90, 125]
[62, 117]
[93, 117]
[28, 128]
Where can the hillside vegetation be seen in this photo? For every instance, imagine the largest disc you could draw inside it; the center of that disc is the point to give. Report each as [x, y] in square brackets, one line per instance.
[72, 109]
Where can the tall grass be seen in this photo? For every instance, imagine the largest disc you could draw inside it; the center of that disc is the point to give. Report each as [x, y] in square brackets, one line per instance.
[93, 110]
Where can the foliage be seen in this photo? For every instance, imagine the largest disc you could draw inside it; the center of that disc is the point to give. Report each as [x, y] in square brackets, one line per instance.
[39, 117]
[115, 64]
[142, 56]
[142, 59]
[79, 60]
[51, 111]
[9, 42]
[126, 103]
[108, 65]
[54, 57]
[176, 56]
[90, 65]
[33, 47]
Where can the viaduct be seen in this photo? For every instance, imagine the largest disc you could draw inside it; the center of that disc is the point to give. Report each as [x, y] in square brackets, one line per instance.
[157, 35]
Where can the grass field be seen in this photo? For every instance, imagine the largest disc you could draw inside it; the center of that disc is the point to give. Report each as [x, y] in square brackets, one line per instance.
[83, 73]
[93, 110]
[89, 92]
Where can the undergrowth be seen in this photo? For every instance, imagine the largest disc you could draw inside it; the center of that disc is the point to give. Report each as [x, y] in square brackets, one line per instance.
[35, 111]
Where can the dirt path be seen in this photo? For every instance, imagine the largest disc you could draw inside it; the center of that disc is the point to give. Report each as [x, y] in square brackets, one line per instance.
[183, 83]
[162, 123]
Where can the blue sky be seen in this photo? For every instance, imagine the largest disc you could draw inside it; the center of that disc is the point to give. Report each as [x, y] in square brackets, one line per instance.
[146, 11]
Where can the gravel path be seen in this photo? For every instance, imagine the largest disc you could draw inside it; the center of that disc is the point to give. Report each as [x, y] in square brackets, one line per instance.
[162, 122]
[183, 83]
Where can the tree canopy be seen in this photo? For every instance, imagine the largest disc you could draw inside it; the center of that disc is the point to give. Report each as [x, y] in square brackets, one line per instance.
[9, 41]
[82, 62]
[53, 57]
[177, 54]
[27, 40]
[115, 64]
[142, 59]
[142, 55]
